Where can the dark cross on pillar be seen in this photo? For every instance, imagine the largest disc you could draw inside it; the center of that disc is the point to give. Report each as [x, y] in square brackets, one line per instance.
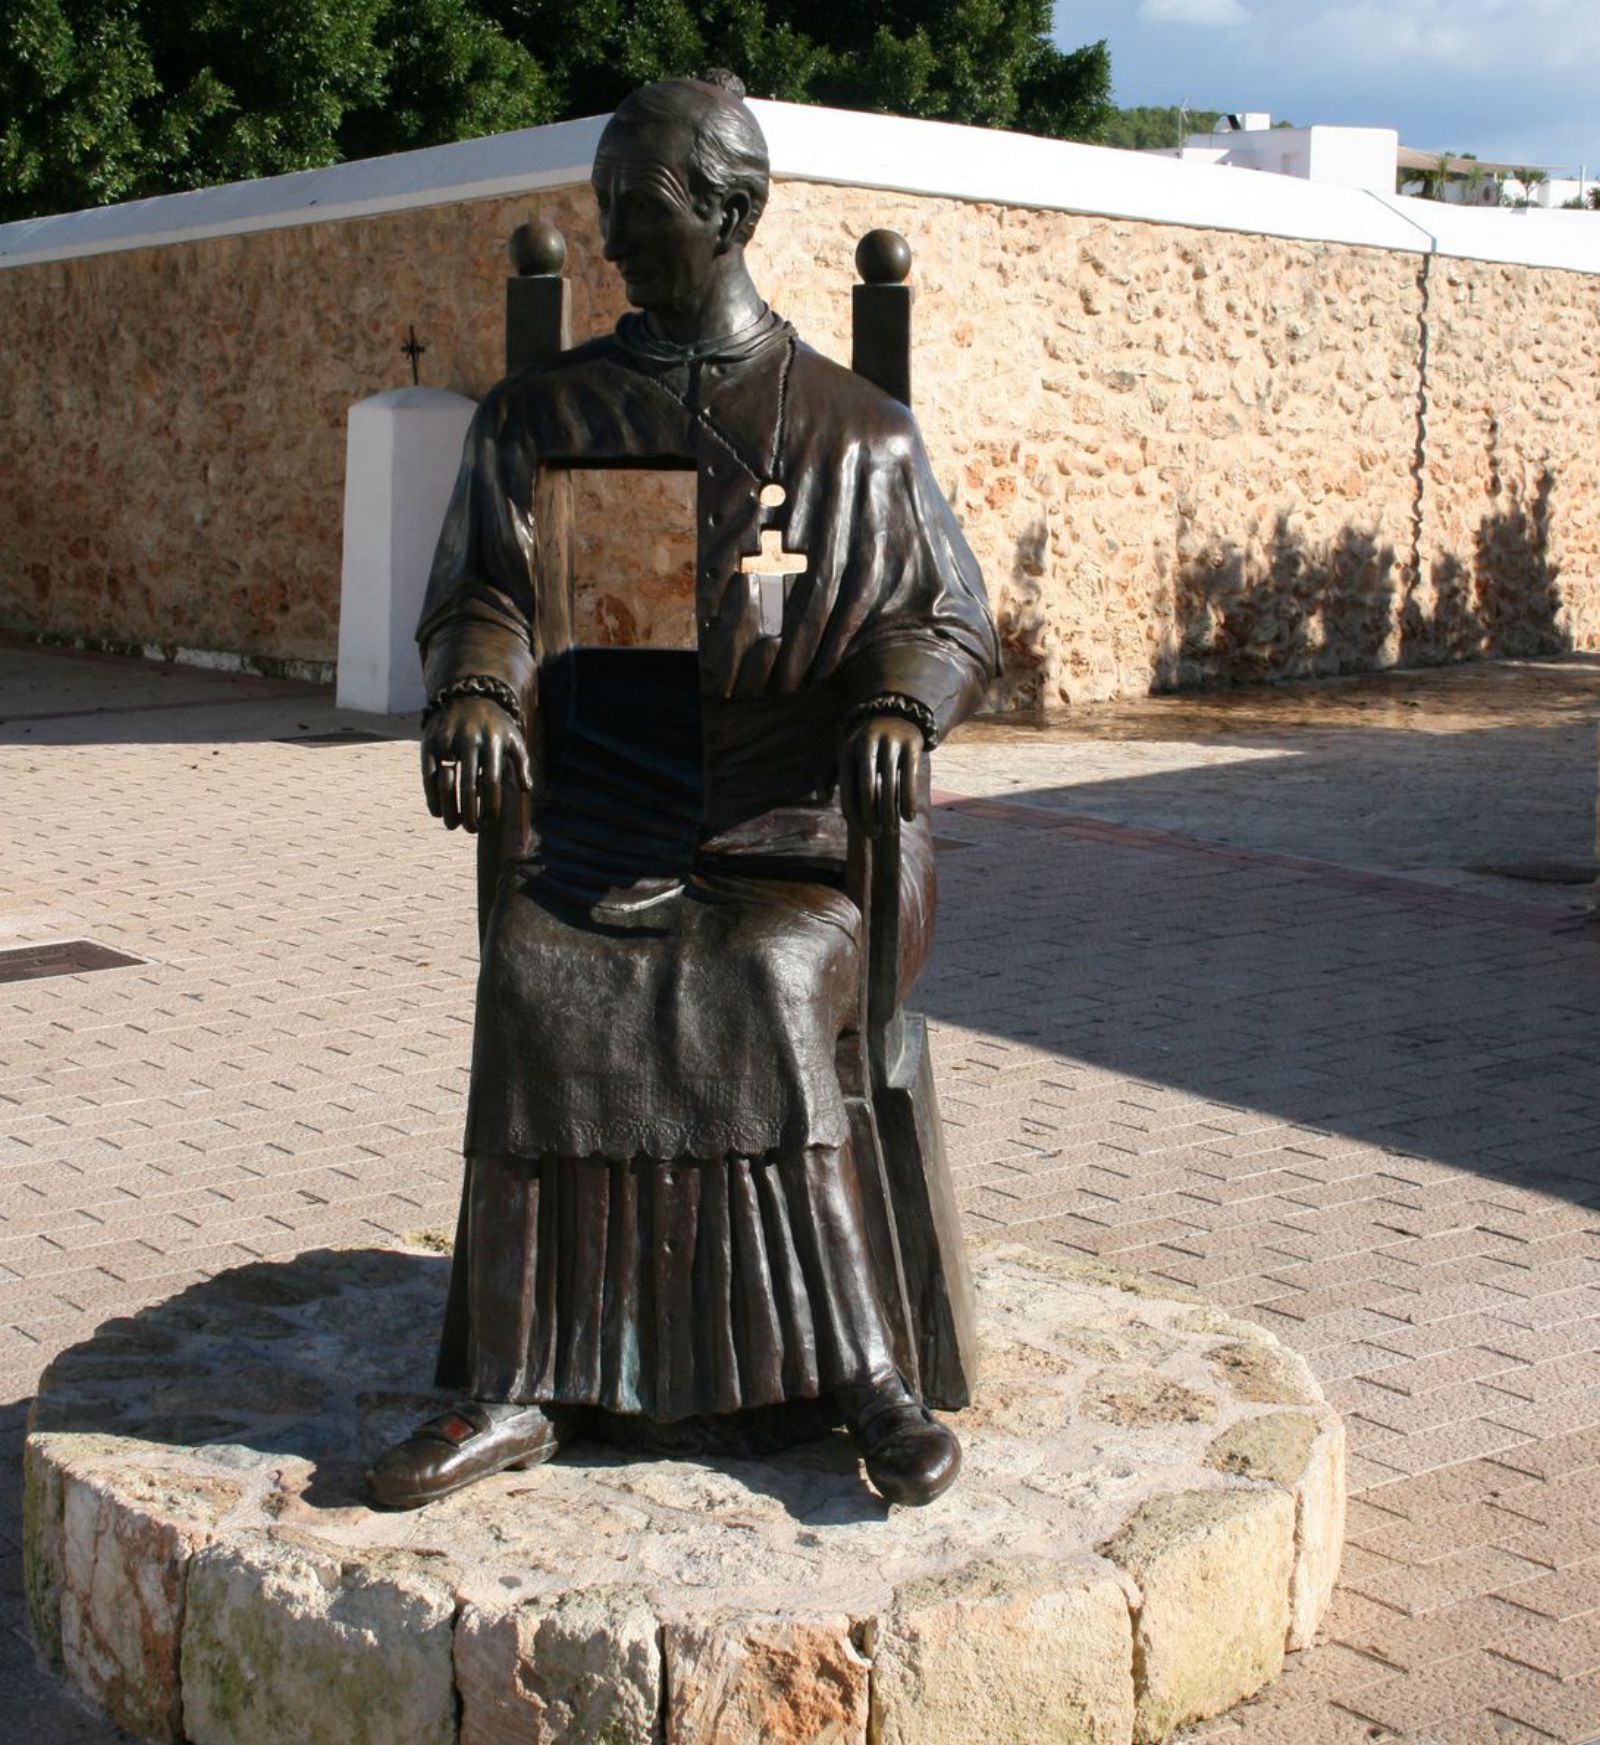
[413, 350]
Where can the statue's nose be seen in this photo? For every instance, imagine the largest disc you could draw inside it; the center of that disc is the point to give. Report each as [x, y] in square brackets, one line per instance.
[613, 238]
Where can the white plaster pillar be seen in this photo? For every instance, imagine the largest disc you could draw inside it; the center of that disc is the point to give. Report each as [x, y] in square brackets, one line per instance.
[402, 453]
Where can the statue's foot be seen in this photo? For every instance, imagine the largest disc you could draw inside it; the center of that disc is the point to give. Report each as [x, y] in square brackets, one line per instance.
[911, 1457]
[459, 1447]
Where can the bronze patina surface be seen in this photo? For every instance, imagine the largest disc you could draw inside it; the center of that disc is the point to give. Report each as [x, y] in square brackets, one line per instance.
[705, 1195]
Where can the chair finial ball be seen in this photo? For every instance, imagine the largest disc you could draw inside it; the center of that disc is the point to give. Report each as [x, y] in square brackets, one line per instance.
[537, 249]
[883, 257]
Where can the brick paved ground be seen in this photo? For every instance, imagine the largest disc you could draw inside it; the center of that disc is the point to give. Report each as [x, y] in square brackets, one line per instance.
[1216, 995]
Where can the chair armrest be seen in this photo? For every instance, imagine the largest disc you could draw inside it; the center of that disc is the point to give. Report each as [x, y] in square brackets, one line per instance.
[873, 881]
[507, 837]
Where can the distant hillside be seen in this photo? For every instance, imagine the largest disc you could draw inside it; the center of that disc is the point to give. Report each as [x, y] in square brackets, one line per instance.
[1142, 129]
[1145, 128]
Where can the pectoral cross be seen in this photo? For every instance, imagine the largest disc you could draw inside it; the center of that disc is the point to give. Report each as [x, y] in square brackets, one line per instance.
[770, 568]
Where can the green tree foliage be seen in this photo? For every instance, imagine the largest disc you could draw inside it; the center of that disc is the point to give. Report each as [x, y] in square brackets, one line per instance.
[1435, 178]
[107, 99]
[986, 62]
[1153, 128]
[1527, 180]
[1160, 127]
[596, 51]
[451, 74]
[73, 84]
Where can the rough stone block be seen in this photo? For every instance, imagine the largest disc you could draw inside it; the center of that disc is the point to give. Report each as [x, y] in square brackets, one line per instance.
[1306, 1455]
[282, 1644]
[42, 1509]
[784, 1682]
[1138, 1397]
[645, 1601]
[1273, 1447]
[1008, 1656]
[1318, 1533]
[583, 1669]
[1213, 1570]
[126, 1541]
[1264, 1371]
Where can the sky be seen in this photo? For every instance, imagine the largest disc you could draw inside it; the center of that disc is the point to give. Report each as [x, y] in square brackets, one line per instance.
[1512, 80]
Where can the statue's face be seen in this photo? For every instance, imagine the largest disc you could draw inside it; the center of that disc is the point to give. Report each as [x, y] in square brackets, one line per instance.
[663, 243]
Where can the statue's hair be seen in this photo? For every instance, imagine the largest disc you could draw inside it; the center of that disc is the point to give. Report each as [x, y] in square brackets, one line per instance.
[728, 151]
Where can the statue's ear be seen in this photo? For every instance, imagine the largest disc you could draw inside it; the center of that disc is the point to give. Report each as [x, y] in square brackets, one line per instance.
[735, 227]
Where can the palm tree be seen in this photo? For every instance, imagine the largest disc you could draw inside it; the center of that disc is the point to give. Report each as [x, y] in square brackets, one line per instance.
[1433, 181]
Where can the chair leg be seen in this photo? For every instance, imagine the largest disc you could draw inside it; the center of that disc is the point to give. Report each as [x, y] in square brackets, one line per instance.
[883, 1237]
[942, 1307]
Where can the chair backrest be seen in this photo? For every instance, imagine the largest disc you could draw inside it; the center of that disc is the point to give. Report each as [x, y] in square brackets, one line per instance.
[582, 690]
[539, 305]
[539, 327]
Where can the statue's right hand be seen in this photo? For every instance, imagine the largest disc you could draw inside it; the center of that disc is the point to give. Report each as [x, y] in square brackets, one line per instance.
[468, 749]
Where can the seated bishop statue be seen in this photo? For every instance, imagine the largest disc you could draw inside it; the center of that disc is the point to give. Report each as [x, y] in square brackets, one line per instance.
[662, 1216]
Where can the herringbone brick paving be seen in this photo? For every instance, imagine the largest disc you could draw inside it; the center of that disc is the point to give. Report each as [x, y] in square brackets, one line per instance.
[1217, 996]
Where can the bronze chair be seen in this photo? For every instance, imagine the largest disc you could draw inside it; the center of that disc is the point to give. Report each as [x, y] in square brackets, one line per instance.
[884, 1063]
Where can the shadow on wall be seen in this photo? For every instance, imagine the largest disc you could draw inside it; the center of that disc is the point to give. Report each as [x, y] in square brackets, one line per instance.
[1022, 618]
[1300, 609]
[1312, 609]
[1507, 603]
[1519, 593]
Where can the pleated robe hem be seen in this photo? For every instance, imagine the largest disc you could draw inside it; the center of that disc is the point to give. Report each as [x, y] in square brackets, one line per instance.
[664, 1290]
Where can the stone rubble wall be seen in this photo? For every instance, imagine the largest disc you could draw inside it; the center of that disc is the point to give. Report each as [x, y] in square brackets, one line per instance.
[1183, 456]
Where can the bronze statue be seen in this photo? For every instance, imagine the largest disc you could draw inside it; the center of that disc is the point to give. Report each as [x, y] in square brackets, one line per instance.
[664, 1220]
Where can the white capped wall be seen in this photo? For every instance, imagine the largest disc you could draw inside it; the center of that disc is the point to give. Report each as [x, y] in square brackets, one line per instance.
[873, 151]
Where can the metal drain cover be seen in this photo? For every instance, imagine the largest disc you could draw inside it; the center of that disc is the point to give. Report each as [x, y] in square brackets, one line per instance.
[68, 957]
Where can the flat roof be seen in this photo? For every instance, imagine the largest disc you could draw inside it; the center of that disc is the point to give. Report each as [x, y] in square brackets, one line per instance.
[1414, 158]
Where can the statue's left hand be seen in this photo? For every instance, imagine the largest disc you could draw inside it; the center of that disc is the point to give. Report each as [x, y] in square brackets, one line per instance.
[880, 773]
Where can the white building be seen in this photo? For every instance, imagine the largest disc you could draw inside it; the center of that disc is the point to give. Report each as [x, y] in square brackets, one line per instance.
[1465, 181]
[1556, 190]
[1372, 158]
[1458, 180]
[1344, 157]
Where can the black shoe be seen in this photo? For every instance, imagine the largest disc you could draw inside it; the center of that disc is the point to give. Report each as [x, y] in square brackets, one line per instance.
[457, 1448]
[911, 1457]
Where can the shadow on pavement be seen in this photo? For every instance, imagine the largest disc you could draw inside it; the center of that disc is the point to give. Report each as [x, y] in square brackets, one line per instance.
[70, 697]
[1423, 1020]
[326, 1359]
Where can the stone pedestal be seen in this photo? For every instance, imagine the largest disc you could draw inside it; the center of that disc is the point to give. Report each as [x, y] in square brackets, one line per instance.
[1151, 1511]
[402, 454]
